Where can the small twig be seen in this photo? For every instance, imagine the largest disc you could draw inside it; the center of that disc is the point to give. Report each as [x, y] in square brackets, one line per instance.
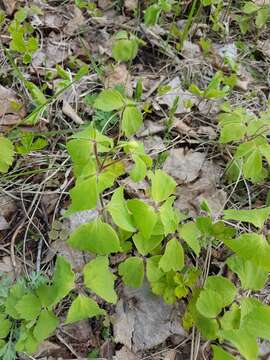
[70, 348]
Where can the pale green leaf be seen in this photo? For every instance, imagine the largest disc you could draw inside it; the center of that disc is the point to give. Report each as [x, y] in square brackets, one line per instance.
[244, 342]
[162, 185]
[5, 326]
[253, 247]
[63, 279]
[251, 275]
[220, 354]
[190, 233]
[132, 271]
[153, 272]
[231, 318]
[144, 216]
[98, 278]
[252, 167]
[223, 287]
[169, 216]
[257, 217]
[173, 257]
[109, 100]
[28, 307]
[139, 169]
[146, 245]
[250, 7]
[124, 49]
[84, 195]
[82, 308]
[262, 16]
[45, 326]
[132, 120]
[209, 303]
[119, 211]
[232, 132]
[96, 236]
[6, 154]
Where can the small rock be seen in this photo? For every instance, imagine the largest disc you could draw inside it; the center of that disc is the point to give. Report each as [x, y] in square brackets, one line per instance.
[125, 354]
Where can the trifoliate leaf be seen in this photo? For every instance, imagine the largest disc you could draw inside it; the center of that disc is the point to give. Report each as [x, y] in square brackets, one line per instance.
[132, 119]
[253, 247]
[191, 234]
[6, 154]
[98, 278]
[220, 354]
[63, 279]
[223, 287]
[132, 271]
[109, 100]
[257, 217]
[82, 308]
[96, 236]
[119, 211]
[45, 326]
[28, 307]
[5, 326]
[144, 216]
[251, 275]
[173, 257]
[146, 245]
[162, 185]
[244, 342]
[84, 195]
[209, 303]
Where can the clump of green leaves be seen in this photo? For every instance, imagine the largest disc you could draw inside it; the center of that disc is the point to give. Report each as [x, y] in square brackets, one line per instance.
[152, 13]
[22, 39]
[249, 133]
[252, 13]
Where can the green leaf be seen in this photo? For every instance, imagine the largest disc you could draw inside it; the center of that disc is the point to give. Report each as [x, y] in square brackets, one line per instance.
[209, 303]
[220, 354]
[45, 326]
[250, 7]
[190, 233]
[82, 308]
[223, 287]
[252, 167]
[119, 211]
[173, 258]
[132, 271]
[96, 236]
[139, 169]
[257, 217]
[63, 279]
[231, 319]
[151, 15]
[153, 271]
[232, 132]
[109, 100]
[262, 16]
[5, 326]
[146, 245]
[251, 275]
[28, 307]
[124, 49]
[169, 216]
[244, 342]
[253, 247]
[98, 278]
[132, 120]
[16, 292]
[6, 154]
[144, 216]
[162, 185]
[36, 94]
[84, 195]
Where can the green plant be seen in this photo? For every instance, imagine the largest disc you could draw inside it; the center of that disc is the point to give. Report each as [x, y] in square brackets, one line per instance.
[22, 40]
[125, 46]
[153, 12]
[7, 154]
[251, 13]
[249, 133]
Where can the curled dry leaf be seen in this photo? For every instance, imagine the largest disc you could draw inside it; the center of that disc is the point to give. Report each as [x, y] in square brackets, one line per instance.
[9, 6]
[71, 113]
[12, 109]
[131, 5]
[119, 75]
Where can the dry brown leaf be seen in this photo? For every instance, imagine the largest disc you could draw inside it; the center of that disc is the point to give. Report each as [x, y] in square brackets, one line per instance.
[125, 354]
[171, 355]
[151, 128]
[119, 75]
[6, 265]
[71, 113]
[131, 5]
[9, 6]
[138, 319]
[180, 126]
[262, 2]
[12, 109]
[4, 225]
[76, 22]
[177, 91]
[104, 4]
[153, 145]
[184, 166]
